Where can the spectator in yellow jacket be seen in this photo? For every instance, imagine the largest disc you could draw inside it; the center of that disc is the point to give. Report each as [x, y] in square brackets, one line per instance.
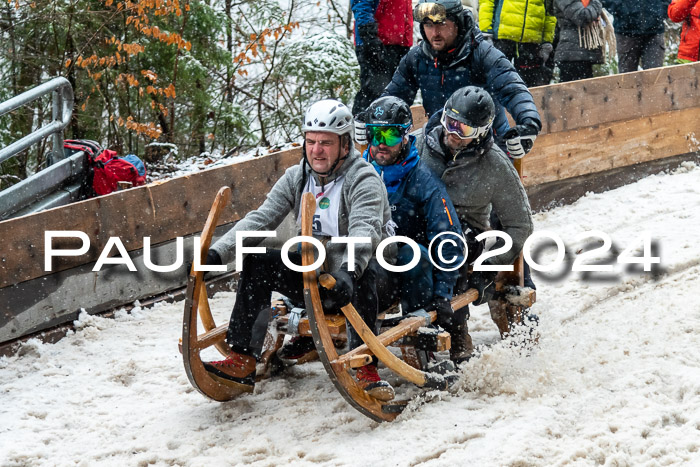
[524, 31]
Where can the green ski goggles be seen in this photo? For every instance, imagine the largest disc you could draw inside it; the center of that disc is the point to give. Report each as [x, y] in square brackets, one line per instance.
[391, 135]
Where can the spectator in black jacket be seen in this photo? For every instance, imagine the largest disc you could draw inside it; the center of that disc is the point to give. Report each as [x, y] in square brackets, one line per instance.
[639, 31]
[383, 35]
[576, 53]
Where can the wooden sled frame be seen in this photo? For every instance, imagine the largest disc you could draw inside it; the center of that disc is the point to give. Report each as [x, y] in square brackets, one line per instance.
[337, 366]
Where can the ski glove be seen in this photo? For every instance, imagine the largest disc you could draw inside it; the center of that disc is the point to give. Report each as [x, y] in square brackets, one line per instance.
[521, 138]
[212, 259]
[370, 39]
[341, 294]
[545, 51]
[360, 129]
[483, 282]
[445, 313]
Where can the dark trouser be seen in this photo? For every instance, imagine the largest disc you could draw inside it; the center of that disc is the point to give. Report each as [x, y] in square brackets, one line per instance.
[415, 286]
[573, 71]
[527, 61]
[376, 69]
[264, 273]
[649, 48]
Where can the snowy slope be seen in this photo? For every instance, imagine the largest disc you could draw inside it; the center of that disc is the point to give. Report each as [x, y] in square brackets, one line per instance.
[615, 379]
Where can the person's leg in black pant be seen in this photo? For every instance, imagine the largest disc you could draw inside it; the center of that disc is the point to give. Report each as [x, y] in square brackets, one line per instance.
[377, 67]
[262, 274]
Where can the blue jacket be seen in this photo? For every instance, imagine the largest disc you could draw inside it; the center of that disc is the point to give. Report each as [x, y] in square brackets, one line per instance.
[421, 209]
[475, 63]
[638, 17]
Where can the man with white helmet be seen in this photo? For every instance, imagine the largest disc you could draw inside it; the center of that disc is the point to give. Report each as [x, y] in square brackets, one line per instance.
[351, 201]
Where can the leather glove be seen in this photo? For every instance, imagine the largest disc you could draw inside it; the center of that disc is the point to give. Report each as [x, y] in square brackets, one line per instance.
[370, 38]
[483, 282]
[341, 294]
[445, 313]
[360, 129]
[521, 138]
[545, 51]
[212, 259]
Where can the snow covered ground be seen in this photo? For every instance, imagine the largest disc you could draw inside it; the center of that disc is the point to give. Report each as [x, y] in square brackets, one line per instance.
[615, 379]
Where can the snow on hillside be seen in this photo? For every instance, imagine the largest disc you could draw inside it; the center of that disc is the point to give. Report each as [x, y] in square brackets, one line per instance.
[615, 379]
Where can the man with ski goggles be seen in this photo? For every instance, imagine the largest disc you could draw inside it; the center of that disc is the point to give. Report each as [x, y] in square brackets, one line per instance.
[480, 180]
[422, 211]
[455, 54]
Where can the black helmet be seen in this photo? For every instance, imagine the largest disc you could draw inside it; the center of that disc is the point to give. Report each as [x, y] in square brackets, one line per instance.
[438, 11]
[389, 110]
[389, 120]
[472, 107]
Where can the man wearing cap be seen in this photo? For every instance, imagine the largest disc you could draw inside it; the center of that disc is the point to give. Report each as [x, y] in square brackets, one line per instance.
[454, 54]
[351, 202]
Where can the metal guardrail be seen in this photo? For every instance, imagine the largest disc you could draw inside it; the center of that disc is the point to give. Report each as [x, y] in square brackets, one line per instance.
[40, 192]
[47, 188]
[62, 111]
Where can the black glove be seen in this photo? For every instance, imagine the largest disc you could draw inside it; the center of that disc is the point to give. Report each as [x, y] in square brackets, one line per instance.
[445, 313]
[370, 36]
[520, 139]
[341, 294]
[483, 282]
[545, 51]
[212, 259]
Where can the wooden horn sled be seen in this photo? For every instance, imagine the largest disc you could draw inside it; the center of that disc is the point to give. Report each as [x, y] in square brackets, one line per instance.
[411, 334]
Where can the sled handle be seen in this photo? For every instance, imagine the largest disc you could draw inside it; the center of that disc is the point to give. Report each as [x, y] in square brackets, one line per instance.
[202, 302]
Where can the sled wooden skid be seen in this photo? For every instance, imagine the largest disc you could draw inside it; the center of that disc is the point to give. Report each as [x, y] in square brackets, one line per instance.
[197, 306]
[504, 313]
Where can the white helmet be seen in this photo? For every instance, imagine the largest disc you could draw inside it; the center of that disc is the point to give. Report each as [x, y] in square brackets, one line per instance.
[329, 115]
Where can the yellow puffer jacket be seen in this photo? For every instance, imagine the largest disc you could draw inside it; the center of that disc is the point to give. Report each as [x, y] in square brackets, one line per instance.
[517, 20]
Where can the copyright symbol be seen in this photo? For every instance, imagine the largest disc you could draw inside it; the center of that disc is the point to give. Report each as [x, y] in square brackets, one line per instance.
[449, 240]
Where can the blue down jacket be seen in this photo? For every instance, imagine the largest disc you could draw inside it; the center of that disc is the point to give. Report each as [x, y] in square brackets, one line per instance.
[473, 63]
[421, 209]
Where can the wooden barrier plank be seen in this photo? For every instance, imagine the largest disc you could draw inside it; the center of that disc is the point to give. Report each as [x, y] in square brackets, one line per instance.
[596, 101]
[607, 99]
[599, 148]
[162, 211]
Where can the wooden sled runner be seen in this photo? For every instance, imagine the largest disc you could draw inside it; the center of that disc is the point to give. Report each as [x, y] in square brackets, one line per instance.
[326, 330]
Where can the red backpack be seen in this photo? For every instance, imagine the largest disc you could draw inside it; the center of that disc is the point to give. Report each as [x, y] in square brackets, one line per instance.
[110, 169]
[105, 168]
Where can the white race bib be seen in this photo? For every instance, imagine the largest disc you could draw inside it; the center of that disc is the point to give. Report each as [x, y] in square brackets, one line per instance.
[327, 206]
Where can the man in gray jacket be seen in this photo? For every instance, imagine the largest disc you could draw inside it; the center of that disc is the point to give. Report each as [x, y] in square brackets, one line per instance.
[351, 201]
[479, 177]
